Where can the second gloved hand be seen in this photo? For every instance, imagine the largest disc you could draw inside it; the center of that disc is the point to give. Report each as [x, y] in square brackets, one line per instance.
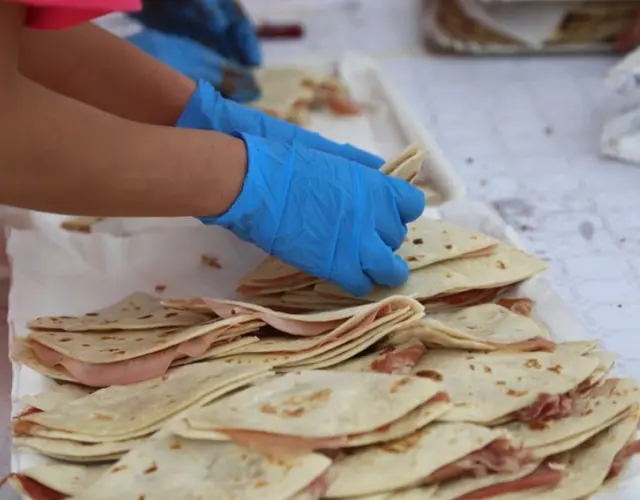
[208, 110]
[325, 215]
[199, 63]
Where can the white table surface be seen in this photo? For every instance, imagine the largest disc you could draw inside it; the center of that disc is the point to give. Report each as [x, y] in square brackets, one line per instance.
[523, 133]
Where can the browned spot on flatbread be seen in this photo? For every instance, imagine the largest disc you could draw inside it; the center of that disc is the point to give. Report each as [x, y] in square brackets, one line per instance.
[449, 247]
[147, 316]
[160, 288]
[538, 425]
[516, 394]
[118, 468]
[210, 261]
[175, 445]
[399, 384]
[533, 363]
[555, 369]
[268, 409]
[487, 369]
[92, 314]
[431, 374]
[101, 416]
[170, 314]
[260, 484]
[412, 258]
[405, 444]
[501, 382]
[152, 468]
[418, 241]
[298, 412]
[501, 265]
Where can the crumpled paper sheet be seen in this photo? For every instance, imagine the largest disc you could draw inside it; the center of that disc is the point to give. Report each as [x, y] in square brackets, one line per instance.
[56, 272]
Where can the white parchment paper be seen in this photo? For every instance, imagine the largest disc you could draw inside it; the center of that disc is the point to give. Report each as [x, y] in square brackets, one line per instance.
[56, 272]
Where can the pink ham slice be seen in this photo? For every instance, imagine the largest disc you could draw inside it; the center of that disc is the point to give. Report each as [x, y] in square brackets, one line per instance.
[34, 489]
[521, 306]
[548, 407]
[622, 458]
[399, 360]
[543, 477]
[498, 456]
[316, 490]
[125, 372]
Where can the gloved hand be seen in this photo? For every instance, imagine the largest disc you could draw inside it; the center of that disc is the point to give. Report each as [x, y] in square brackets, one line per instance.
[220, 25]
[208, 110]
[325, 215]
[197, 62]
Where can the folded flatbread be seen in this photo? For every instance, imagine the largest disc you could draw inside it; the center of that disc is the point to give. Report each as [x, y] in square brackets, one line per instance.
[100, 359]
[443, 450]
[138, 311]
[58, 395]
[172, 468]
[487, 388]
[428, 241]
[315, 410]
[53, 481]
[505, 266]
[588, 466]
[120, 413]
[591, 411]
[485, 327]
[283, 89]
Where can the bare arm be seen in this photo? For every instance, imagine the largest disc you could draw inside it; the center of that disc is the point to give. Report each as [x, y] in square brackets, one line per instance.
[91, 65]
[60, 155]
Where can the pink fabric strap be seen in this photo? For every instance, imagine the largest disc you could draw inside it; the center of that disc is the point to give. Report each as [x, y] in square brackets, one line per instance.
[57, 14]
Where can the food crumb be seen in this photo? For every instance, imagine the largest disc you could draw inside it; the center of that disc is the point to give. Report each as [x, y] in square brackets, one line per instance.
[209, 261]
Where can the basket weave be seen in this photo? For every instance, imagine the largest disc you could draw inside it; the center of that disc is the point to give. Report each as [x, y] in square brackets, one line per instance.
[586, 23]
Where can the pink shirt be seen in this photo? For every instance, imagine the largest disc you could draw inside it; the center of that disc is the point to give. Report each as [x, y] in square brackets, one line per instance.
[57, 14]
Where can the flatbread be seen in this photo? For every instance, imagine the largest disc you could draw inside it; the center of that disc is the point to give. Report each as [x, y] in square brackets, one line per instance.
[112, 347]
[587, 466]
[21, 352]
[65, 479]
[487, 387]
[452, 490]
[172, 467]
[398, 359]
[428, 241]
[138, 311]
[593, 408]
[409, 461]
[405, 155]
[119, 413]
[486, 326]
[74, 451]
[282, 88]
[506, 266]
[325, 404]
[58, 395]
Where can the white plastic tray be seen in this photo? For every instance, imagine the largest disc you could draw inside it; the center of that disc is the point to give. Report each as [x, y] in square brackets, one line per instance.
[386, 128]
[56, 272]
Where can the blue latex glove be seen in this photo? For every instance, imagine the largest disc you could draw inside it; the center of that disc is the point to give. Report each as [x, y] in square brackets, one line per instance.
[328, 216]
[218, 24]
[199, 63]
[208, 110]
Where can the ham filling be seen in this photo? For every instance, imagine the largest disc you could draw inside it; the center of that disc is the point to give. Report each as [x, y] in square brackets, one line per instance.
[535, 344]
[520, 306]
[498, 456]
[622, 458]
[543, 477]
[34, 489]
[129, 371]
[548, 407]
[399, 360]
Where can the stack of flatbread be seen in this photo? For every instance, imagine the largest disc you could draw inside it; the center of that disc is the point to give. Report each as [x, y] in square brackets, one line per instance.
[133, 340]
[372, 399]
[450, 266]
[78, 426]
[291, 92]
[463, 425]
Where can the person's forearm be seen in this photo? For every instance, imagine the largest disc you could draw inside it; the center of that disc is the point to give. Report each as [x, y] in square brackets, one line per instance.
[60, 155]
[93, 66]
